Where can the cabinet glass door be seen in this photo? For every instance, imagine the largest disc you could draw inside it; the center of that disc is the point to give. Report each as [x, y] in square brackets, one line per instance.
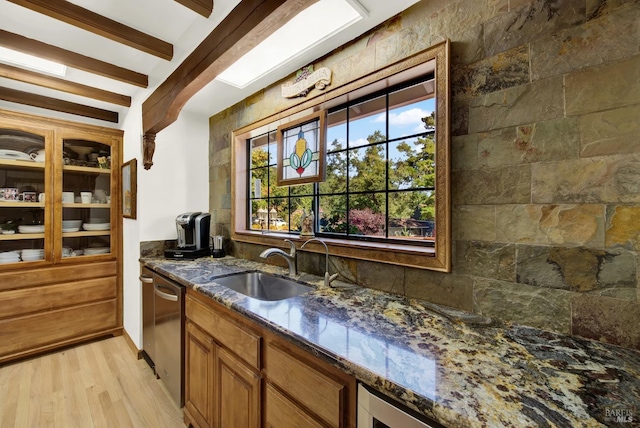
[24, 187]
[87, 186]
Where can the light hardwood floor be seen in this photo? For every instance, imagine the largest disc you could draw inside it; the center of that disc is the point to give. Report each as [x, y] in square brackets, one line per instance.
[99, 384]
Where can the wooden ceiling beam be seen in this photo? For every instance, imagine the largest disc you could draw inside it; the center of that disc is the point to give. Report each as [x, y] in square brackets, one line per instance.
[248, 24]
[72, 59]
[101, 25]
[58, 84]
[35, 100]
[203, 7]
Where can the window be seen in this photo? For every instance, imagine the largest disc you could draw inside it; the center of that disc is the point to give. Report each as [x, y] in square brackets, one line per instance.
[380, 172]
[386, 193]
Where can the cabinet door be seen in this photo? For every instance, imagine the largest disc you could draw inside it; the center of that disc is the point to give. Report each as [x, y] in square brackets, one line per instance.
[282, 413]
[311, 388]
[199, 376]
[87, 186]
[25, 179]
[238, 393]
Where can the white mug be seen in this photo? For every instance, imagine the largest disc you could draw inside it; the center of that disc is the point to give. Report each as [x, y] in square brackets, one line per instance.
[41, 197]
[68, 197]
[86, 197]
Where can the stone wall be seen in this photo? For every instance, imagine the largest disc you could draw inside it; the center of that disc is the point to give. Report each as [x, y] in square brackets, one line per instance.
[545, 159]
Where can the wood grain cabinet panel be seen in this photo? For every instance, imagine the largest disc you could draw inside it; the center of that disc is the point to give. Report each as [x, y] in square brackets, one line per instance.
[24, 334]
[29, 300]
[199, 378]
[238, 393]
[282, 413]
[236, 338]
[308, 386]
[13, 280]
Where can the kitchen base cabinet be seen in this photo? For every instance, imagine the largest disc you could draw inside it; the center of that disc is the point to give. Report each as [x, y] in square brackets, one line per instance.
[52, 307]
[238, 391]
[318, 395]
[283, 413]
[199, 380]
[221, 388]
[239, 374]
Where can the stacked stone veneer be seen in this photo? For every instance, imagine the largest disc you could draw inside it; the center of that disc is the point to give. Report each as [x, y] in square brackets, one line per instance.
[545, 160]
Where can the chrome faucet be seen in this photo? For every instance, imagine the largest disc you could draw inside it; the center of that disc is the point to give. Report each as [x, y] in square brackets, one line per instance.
[327, 277]
[290, 258]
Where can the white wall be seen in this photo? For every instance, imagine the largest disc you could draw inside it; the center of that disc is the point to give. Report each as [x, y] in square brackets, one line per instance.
[177, 182]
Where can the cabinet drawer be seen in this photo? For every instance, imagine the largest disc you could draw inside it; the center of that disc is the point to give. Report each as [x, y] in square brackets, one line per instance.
[29, 300]
[319, 393]
[39, 330]
[242, 342]
[55, 275]
[282, 413]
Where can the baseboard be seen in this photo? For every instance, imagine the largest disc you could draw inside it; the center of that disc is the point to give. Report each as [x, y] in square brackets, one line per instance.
[134, 348]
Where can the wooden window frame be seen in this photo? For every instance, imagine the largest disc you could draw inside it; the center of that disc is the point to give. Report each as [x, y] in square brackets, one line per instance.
[437, 257]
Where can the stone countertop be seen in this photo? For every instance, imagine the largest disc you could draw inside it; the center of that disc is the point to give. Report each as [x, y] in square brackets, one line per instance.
[455, 368]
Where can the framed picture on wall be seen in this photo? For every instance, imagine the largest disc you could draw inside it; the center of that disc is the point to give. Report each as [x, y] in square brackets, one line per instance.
[129, 189]
[301, 150]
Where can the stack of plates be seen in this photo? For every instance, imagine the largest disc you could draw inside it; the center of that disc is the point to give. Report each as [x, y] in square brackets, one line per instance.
[9, 257]
[96, 250]
[36, 228]
[71, 225]
[96, 226]
[31, 255]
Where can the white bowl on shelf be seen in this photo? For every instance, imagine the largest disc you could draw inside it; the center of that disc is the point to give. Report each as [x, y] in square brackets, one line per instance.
[98, 220]
[96, 226]
[36, 228]
[96, 250]
[13, 260]
[71, 223]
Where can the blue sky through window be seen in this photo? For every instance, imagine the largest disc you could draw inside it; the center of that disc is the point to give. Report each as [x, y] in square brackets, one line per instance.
[403, 121]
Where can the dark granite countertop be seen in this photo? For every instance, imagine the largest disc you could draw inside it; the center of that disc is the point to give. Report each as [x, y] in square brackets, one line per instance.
[458, 369]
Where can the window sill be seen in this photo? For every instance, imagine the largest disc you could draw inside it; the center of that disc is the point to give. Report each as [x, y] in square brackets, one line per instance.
[403, 255]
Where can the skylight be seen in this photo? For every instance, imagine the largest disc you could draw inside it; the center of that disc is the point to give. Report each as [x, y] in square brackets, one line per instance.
[309, 28]
[20, 59]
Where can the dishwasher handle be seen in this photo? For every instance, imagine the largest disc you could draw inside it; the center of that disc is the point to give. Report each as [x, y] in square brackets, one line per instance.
[146, 279]
[166, 296]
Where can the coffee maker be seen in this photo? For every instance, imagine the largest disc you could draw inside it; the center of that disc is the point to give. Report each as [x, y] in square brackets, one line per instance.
[193, 236]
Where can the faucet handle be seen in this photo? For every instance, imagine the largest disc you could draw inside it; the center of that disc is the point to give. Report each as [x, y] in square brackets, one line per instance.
[328, 279]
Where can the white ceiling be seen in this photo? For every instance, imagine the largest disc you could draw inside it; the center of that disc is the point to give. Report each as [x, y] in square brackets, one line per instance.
[170, 22]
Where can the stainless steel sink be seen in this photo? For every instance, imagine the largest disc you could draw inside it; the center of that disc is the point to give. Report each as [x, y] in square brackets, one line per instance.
[263, 286]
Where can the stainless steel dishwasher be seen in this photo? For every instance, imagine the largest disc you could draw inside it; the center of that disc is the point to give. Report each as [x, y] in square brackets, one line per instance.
[148, 317]
[168, 336]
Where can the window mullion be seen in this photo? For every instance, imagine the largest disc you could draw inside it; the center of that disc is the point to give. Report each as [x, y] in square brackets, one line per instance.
[386, 182]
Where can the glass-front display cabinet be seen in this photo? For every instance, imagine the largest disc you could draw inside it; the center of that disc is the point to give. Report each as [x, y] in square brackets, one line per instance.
[87, 187]
[25, 183]
[58, 190]
[60, 234]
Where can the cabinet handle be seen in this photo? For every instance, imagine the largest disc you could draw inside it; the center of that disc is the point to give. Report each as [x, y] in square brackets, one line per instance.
[146, 279]
[166, 296]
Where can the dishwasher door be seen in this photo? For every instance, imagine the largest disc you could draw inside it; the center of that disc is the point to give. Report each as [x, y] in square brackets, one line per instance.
[148, 317]
[169, 323]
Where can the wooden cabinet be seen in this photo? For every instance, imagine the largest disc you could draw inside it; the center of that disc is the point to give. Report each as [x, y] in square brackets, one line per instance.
[199, 379]
[239, 374]
[60, 237]
[237, 388]
[222, 373]
[316, 395]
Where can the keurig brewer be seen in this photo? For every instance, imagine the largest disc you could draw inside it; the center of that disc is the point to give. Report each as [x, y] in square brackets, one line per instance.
[193, 236]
